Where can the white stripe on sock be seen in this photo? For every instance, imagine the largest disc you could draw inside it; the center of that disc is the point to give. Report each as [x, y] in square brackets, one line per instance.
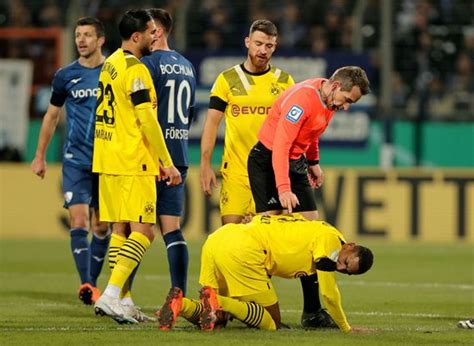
[176, 243]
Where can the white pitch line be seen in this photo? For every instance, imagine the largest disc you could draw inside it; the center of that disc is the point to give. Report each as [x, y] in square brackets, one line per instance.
[192, 329]
[357, 283]
[149, 277]
[381, 313]
[410, 285]
[70, 329]
[400, 314]
[290, 311]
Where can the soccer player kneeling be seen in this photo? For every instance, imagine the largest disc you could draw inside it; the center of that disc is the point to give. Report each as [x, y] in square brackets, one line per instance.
[238, 261]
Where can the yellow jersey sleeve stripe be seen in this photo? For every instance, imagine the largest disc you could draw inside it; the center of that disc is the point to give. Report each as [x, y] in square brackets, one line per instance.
[277, 73]
[283, 78]
[243, 77]
[131, 60]
[235, 83]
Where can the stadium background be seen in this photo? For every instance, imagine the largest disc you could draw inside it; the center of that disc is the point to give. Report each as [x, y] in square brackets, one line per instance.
[399, 166]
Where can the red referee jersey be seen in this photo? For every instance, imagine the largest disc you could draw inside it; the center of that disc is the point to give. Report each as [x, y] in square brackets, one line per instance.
[293, 127]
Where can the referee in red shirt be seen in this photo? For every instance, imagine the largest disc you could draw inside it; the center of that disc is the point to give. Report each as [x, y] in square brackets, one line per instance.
[284, 165]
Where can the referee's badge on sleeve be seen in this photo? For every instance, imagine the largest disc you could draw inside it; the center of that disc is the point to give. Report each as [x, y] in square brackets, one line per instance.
[294, 114]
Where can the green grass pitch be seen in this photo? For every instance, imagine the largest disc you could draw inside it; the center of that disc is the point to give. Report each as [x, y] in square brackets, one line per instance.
[415, 294]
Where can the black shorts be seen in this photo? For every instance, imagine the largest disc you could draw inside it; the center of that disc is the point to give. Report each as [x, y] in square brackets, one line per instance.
[263, 185]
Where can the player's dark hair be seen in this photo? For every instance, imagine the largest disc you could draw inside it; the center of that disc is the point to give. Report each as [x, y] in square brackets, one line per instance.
[97, 24]
[265, 26]
[366, 259]
[163, 17]
[133, 21]
[351, 76]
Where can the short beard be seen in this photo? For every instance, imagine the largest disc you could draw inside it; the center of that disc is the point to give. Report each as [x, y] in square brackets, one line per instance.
[145, 51]
[255, 62]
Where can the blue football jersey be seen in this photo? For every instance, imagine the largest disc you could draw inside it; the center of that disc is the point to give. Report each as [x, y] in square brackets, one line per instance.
[175, 83]
[76, 86]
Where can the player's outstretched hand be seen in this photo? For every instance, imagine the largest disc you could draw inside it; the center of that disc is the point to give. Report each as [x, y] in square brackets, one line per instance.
[171, 175]
[38, 166]
[288, 200]
[208, 180]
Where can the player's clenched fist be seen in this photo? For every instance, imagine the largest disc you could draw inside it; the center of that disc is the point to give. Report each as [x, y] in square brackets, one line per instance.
[38, 167]
[171, 175]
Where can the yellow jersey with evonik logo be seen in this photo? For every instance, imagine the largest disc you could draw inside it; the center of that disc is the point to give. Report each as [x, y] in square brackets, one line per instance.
[249, 97]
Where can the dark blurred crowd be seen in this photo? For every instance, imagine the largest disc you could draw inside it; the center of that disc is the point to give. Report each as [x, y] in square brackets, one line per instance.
[433, 39]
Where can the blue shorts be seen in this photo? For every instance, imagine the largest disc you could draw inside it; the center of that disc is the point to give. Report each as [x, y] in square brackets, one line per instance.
[80, 186]
[170, 199]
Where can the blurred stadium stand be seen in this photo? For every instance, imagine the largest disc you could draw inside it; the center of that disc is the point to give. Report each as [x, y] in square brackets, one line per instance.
[419, 53]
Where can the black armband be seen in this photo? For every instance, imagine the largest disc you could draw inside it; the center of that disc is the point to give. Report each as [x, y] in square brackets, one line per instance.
[326, 265]
[57, 99]
[313, 162]
[217, 103]
[140, 96]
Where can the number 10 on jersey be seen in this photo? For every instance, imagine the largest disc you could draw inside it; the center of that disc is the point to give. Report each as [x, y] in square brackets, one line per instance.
[179, 104]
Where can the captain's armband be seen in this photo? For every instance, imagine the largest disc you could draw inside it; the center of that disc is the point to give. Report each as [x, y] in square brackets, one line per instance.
[217, 103]
[326, 265]
[140, 96]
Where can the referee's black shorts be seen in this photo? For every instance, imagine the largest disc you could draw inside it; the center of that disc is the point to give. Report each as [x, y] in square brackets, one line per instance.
[263, 185]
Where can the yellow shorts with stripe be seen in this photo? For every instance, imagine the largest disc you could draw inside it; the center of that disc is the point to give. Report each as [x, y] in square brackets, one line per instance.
[127, 198]
[233, 264]
[236, 195]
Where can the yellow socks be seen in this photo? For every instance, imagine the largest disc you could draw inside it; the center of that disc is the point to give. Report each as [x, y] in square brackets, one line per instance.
[251, 314]
[191, 310]
[128, 258]
[116, 242]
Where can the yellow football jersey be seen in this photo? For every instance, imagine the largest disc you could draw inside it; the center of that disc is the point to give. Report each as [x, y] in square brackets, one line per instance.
[120, 146]
[293, 244]
[249, 97]
[290, 246]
